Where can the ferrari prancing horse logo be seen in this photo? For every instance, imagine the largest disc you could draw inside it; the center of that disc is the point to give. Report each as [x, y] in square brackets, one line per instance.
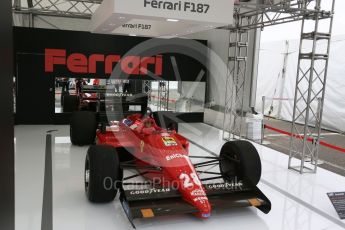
[169, 141]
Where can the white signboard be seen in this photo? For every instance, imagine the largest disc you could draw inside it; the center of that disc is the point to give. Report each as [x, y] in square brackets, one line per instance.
[217, 11]
[158, 18]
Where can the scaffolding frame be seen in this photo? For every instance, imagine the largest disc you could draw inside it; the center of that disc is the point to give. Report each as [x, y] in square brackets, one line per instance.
[254, 16]
[58, 8]
[163, 95]
[147, 89]
[308, 104]
[275, 13]
[235, 81]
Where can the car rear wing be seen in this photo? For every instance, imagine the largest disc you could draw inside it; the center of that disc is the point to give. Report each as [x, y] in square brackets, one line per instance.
[97, 88]
[117, 106]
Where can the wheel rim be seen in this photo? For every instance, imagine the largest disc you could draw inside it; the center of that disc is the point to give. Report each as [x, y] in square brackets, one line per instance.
[87, 174]
[229, 165]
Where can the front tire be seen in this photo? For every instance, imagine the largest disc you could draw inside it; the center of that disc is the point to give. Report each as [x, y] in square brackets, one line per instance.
[240, 160]
[83, 128]
[102, 173]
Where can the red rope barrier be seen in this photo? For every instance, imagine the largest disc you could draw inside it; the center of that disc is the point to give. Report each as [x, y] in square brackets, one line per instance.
[332, 146]
[310, 139]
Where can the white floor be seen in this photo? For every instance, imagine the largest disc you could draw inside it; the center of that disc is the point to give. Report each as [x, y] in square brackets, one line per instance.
[298, 201]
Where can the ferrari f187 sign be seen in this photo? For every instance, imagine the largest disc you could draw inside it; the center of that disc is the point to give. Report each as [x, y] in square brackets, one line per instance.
[210, 11]
[178, 6]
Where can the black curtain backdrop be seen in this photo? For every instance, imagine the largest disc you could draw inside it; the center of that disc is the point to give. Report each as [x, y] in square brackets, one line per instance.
[6, 119]
[34, 41]
[35, 86]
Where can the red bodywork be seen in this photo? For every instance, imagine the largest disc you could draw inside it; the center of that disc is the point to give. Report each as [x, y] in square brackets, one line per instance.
[151, 145]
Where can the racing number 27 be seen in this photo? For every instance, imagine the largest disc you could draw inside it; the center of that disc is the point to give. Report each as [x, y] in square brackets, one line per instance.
[187, 179]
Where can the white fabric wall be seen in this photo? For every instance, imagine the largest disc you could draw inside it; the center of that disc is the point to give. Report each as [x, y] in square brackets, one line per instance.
[271, 64]
[218, 42]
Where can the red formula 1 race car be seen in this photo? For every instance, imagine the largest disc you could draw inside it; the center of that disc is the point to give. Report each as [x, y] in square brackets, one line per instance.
[167, 180]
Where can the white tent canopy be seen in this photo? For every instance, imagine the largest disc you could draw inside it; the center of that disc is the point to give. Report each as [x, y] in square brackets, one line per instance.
[270, 80]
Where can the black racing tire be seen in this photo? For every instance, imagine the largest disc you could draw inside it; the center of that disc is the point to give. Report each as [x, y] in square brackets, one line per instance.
[92, 106]
[240, 160]
[63, 94]
[70, 103]
[83, 128]
[103, 174]
[125, 108]
[173, 126]
[166, 120]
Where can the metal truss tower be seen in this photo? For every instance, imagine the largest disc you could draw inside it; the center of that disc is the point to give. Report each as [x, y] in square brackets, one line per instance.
[147, 89]
[311, 74]
[58, 8]
[235, 81]
[247, 17]
[310, 89]
[163, 95]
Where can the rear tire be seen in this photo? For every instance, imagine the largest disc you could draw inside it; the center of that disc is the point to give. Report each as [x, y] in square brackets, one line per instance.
[173, 126]
[102, 173]
[63, 94]
[83, 128]
[240, 160]
[166, 120]
[70, 103]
